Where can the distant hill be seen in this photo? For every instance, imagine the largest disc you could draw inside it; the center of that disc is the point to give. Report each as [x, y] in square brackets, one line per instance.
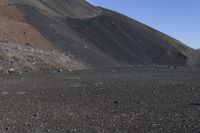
[73, 34]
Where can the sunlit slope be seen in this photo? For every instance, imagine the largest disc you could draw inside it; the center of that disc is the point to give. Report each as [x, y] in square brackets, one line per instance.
[93, 37]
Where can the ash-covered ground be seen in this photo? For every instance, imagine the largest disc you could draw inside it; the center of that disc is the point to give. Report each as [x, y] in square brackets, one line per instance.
[107, 100]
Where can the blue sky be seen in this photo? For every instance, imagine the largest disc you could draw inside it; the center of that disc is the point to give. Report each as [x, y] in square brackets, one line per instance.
[177, 18]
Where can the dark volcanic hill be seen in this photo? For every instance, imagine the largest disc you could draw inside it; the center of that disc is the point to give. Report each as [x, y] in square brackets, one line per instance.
[72, 34]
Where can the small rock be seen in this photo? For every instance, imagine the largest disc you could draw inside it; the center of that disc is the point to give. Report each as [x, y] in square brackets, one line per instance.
[70, 70]
[11, 70]
[19, 48]
[73, 130]
[26, 70]
[22, 93]
[5, 93]
[27, 43]
[61, 95]
[116, 102]
[60, 70]
[27, 124]
[35, 115]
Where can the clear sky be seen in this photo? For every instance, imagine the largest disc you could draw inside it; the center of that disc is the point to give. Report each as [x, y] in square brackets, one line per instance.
[177, 18]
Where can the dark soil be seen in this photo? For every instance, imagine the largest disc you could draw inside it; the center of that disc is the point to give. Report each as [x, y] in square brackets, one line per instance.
[105, 100]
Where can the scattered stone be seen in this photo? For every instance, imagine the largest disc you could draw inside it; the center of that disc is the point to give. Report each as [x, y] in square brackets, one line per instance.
[5, 93]
[195, 104]
[27, 124]
[69, 70]
[60, 70]
[61, 95]
[19, 48]
[73, 130]
[27, 43]
[26, 70]
[35, 115]
[116, 102]
[11, 70]
[22, 93]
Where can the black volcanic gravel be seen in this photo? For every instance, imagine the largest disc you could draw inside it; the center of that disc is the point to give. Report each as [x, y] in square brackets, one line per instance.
[106, 100]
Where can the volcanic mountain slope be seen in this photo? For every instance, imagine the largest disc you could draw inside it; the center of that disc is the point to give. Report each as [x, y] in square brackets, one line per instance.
[86, 36]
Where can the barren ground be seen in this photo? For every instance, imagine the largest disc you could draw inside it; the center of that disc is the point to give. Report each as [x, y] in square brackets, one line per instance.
[143, 100]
